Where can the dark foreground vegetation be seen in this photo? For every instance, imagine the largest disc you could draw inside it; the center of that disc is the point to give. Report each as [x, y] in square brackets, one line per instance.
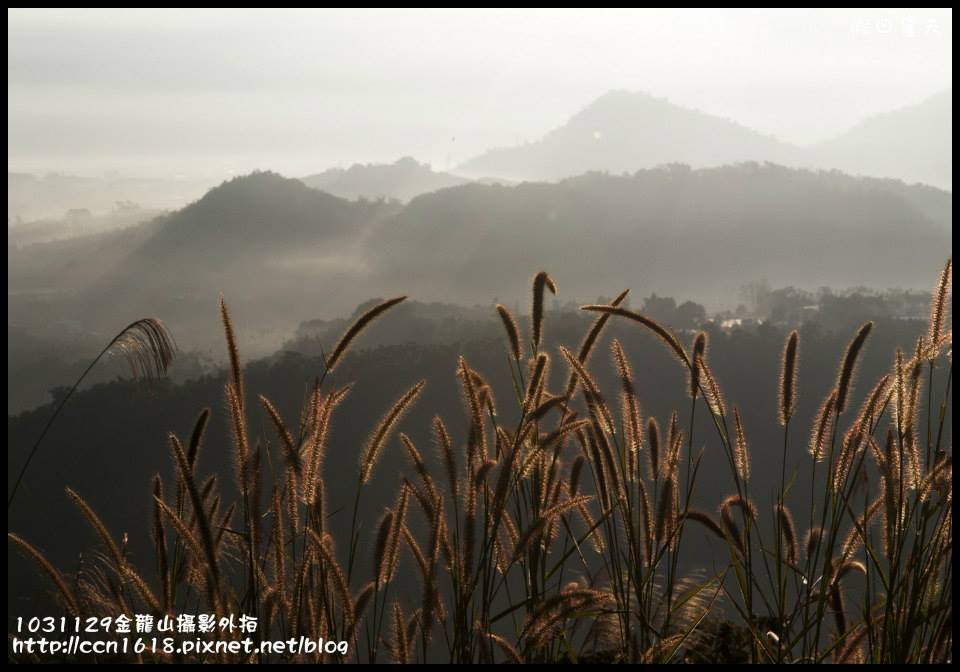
[585, 504]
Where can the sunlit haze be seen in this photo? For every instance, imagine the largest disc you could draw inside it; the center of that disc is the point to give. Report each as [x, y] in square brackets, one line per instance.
[166, 93]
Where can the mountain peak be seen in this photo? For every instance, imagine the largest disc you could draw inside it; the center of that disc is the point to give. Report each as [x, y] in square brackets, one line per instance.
[259, 211]
[626, 97]
[619, 103]
[251, 185]
[261, 191]
[626, 131]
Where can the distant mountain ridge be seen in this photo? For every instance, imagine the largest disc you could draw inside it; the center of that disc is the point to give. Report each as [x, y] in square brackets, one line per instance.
[281, 252]
[279, 246]
[626, 131]
[676, 230]
[263, 209]
[402, 180]
[265, 240]
[914, 141]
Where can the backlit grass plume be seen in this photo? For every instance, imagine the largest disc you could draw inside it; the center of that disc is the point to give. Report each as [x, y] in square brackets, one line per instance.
[822, 425]
[148, 347]
[540, 281]
[513, 332]
[586, 347]
[357, 327]
[848, 366]
[663, 333]
[788, 378]
[741, 452]
[379, 437]
[699, 352]
[233, 352]
[938, 308]
[66, 593]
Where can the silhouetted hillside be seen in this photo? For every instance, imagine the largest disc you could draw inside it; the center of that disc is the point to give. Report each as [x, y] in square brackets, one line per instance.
[269, 239]
[261, 212]
[692, 233]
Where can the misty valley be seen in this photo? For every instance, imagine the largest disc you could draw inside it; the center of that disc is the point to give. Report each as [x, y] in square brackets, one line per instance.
[276, 247]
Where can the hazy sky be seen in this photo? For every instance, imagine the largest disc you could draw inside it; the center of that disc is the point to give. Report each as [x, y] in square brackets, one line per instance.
[212, 92]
